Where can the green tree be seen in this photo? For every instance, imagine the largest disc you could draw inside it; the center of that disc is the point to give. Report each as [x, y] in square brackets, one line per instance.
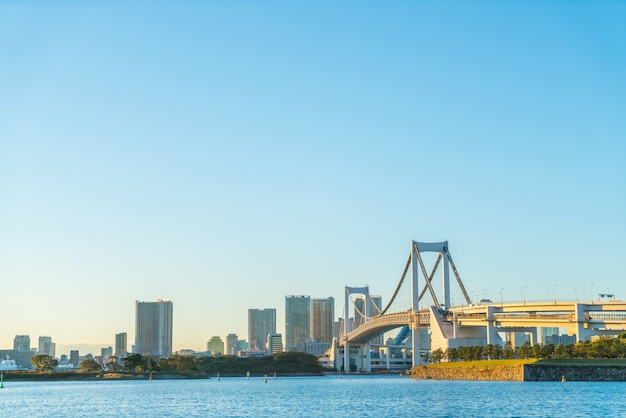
[112, 364]
[44, 362]
[508, 352]
[437, 355]
[90, 365]
[133, 362]
[496, 353]
[525, 351]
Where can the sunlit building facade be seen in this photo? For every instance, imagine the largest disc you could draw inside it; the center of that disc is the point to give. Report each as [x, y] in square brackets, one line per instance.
[297, 321]
[261, 323]
[322, 317]
[153, 331]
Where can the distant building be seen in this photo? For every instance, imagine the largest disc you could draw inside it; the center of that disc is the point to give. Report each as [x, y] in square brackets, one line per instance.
[561, 339]
[322, 317]
[313, 347]
[274, 344]
[46, 346]
[21, 343]
[297, 321]
[121, 344]
[261, 323]
[215, 346]
[231, 344]
[544, 333]
[74, 359]
[153, 330]
[375, 309]
[338, 327]
[105, 353]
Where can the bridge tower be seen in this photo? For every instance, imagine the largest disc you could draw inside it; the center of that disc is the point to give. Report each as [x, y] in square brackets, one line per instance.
[365, 348]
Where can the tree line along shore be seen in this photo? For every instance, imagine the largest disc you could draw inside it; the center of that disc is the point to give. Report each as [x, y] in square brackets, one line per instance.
[136, 366]
[602, 359]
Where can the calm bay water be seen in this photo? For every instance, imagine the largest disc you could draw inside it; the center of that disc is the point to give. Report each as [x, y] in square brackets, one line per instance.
[330, 396]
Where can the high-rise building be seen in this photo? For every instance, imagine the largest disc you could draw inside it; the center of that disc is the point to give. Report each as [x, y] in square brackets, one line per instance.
[215, 346]
[231, 344]
[261, 323]
[46, 346]
[376, 308]
[322, 317]
[338, 327]
[105, 353]
[153, 329]
[121, 344]
[297, 321]
[274, 344]
[74, 358]
[375, 305]
[21, 343]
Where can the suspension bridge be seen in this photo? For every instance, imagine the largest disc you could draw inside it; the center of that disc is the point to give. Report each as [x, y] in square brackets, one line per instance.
[439, 325]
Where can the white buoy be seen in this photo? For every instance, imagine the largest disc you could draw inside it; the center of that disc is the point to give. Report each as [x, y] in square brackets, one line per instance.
[248, 374]
[265, 379]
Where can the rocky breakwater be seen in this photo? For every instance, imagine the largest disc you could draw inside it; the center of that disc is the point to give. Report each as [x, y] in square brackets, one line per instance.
[470, 372]
[588, 373]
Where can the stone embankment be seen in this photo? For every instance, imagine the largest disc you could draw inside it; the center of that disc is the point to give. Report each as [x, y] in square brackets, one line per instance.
[547, 373]
[523, 372]
[469, 372]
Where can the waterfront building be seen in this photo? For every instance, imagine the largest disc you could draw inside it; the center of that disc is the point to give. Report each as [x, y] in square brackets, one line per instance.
[322, 316]
[21, 343]
[46, 346]
[274, 344]
[121, 344]
[261, 323]
[297, 321]
[74, 359]
[215, 346]
[153, 328]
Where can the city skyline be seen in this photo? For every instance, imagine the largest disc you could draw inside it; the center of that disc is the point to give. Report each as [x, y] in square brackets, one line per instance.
[223, 156]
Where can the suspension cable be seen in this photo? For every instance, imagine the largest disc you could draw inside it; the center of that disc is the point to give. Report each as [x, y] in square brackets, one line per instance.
[395, 293]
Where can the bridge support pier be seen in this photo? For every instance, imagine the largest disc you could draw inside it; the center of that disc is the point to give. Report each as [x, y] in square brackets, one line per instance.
[414, 325]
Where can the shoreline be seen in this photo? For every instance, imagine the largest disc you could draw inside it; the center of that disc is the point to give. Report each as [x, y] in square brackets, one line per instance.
[579, 370]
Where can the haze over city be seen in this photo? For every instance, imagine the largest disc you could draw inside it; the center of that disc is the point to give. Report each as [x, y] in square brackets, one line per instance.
[225, 155]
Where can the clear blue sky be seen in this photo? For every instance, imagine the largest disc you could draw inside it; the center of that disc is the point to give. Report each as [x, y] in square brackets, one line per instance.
[226, 154]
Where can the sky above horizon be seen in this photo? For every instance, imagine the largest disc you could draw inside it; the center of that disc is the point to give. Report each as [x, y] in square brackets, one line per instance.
[224, 155]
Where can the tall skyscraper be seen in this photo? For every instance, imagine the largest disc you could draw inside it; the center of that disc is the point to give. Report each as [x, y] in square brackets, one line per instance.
[261, 323]
[121, 344]
[297, 321]
[322, 317]
[46, 346]
[153, 329]
[21, 343]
